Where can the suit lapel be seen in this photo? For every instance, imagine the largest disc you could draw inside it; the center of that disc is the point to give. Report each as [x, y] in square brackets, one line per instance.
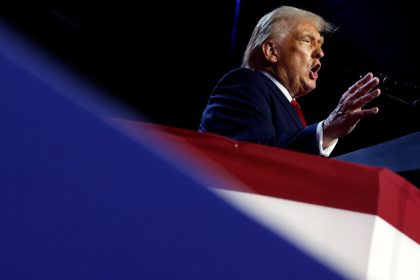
[278, 95]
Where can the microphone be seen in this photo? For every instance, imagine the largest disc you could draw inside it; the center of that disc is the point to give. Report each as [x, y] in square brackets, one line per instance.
[402, 91]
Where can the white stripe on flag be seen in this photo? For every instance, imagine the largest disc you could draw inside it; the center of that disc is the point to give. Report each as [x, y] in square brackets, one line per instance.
[355, 244]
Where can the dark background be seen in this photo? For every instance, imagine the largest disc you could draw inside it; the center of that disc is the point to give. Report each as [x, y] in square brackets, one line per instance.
[162, 59]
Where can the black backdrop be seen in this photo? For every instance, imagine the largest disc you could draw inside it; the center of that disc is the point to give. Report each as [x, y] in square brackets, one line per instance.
[162, 58]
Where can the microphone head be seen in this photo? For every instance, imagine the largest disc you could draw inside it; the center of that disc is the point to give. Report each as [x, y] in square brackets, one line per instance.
[404, 92]
[387, 83]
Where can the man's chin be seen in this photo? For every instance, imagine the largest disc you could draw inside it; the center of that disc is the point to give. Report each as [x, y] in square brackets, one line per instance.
[310, 86]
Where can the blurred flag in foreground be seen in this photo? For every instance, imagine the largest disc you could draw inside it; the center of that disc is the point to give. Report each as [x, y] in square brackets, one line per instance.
[84, 196]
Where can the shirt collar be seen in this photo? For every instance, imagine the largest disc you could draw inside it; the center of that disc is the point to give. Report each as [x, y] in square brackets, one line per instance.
[279, 85]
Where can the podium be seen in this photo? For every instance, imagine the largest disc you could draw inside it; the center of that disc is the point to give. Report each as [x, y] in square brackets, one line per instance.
[401, 155]
[358, 219]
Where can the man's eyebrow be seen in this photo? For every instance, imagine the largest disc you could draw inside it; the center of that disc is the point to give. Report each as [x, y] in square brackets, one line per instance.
[313, 37]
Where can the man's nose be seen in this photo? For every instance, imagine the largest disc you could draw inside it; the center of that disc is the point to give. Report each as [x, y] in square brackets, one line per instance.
[318, 53]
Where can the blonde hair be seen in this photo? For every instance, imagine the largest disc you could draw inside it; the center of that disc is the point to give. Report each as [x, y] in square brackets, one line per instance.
[277, 24]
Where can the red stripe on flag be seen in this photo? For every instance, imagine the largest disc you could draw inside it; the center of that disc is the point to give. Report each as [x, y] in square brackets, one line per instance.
[301, 177]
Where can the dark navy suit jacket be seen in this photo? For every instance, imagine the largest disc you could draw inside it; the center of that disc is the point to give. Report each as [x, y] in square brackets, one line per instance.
[246, 105]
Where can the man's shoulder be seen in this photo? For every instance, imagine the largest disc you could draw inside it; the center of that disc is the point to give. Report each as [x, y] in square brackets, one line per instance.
[242, 72]
[243, 75]
[246, 82]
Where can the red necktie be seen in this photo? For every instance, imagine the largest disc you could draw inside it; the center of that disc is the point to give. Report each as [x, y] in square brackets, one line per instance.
[296, 105]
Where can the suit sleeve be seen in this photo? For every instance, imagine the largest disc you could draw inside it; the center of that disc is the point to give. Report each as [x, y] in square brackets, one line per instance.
[241, 107]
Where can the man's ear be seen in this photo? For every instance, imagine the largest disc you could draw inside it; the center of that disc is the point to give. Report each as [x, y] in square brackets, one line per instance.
[269, 51]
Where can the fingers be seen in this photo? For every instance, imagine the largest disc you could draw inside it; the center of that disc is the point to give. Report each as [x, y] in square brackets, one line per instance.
[361, 92]
[367, 87]
[365, 113]
[360, 83]
[349, 110]
[365, 99]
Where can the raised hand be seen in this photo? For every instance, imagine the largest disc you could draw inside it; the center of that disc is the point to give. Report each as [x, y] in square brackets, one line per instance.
[349, 110]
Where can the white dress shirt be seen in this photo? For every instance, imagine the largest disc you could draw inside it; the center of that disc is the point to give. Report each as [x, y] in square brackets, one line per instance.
[319, 131]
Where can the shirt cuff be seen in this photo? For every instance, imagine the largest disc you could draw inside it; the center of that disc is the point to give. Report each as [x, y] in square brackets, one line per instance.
[319, 136]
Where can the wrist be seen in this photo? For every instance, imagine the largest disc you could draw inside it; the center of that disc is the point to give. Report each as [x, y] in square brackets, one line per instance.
[328, 133]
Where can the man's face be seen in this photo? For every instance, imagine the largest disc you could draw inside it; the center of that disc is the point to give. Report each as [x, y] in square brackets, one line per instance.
[299, 54]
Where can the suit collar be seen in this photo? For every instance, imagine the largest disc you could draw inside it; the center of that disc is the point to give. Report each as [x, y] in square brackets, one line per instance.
[285, 100]
[279, 85]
